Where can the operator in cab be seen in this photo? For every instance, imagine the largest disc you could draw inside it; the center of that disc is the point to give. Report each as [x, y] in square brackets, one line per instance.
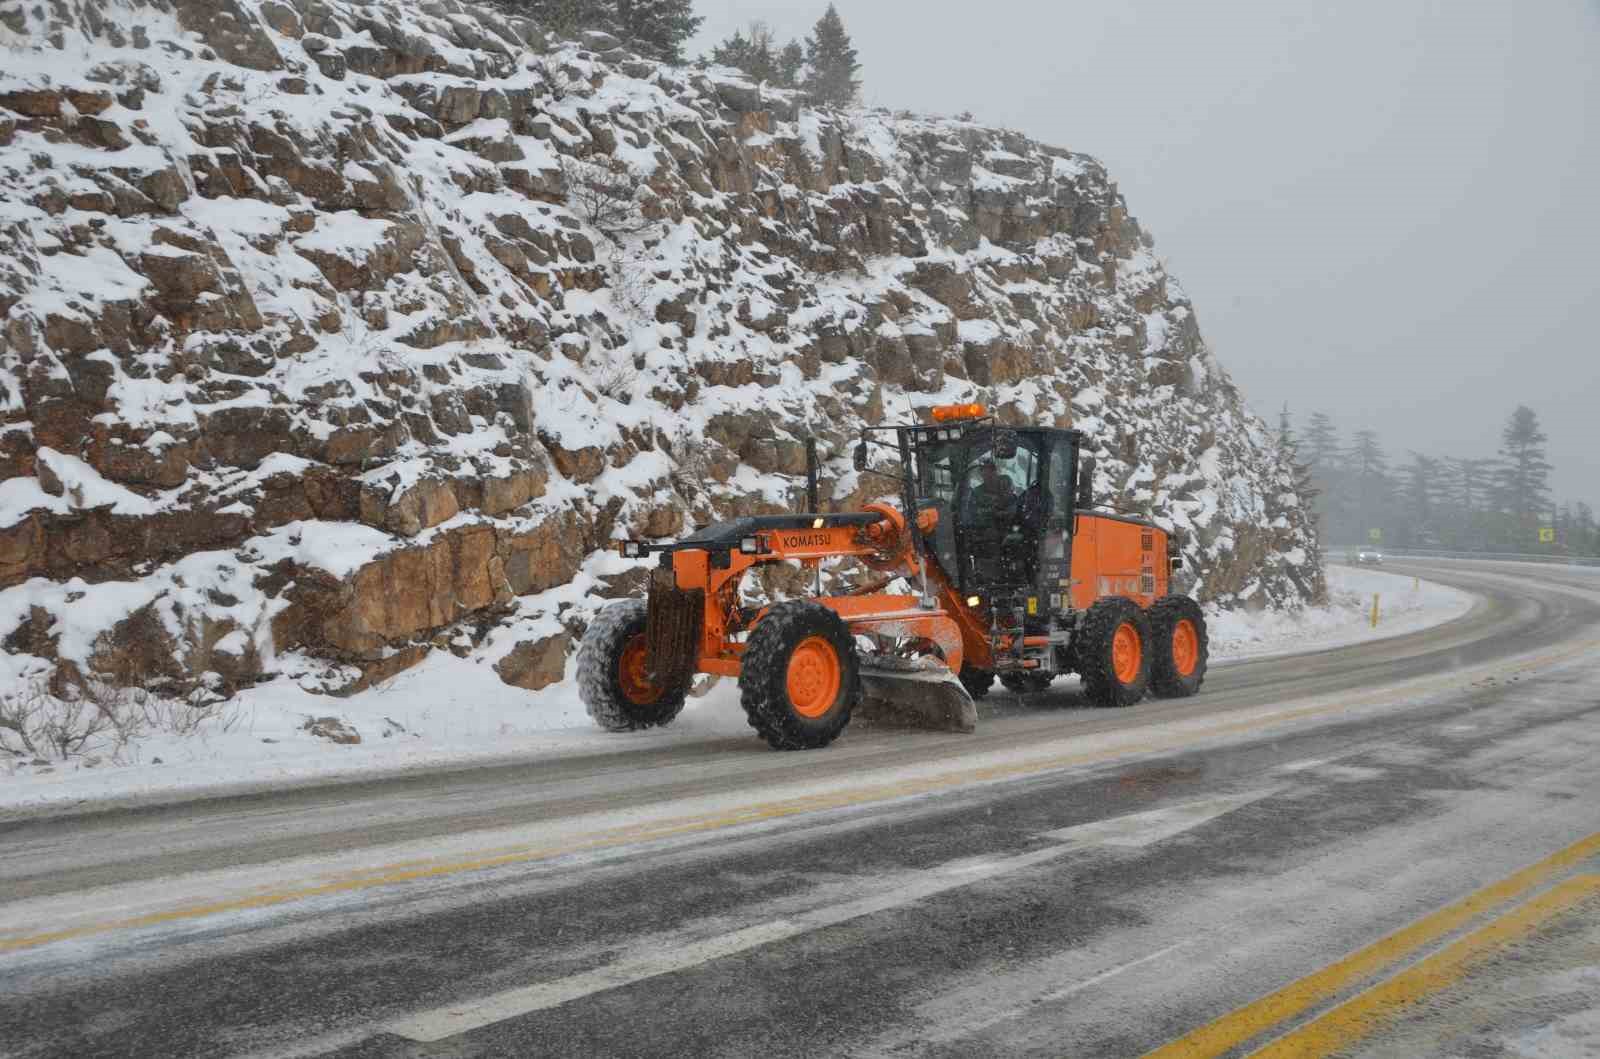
[994, 500]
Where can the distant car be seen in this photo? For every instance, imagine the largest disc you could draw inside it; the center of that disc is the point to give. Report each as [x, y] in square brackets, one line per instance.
[1369, 557]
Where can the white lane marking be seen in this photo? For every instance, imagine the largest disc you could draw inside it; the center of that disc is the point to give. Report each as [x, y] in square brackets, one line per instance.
[969, 1024]
[1078, 987]
[1143, 829]
[1351, 773]
[1328, 768]
[1132, 831]
[1303, 766]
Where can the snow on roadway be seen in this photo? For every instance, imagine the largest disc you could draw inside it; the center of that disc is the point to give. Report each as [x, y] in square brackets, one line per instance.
[455, 712]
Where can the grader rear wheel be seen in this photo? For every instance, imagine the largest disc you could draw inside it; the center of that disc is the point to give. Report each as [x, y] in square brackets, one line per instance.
[1114, 652]
[1182, 647]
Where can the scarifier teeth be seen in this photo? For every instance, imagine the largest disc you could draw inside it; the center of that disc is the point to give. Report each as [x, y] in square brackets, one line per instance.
[916, 699]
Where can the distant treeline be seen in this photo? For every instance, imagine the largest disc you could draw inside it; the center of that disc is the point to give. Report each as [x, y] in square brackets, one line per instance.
[824, 66]
[1501, 503]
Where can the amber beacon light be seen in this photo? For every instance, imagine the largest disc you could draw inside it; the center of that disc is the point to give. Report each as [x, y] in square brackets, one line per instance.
[946, 413]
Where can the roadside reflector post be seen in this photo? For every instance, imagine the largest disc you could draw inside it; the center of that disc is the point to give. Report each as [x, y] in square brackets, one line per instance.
[1375, 610]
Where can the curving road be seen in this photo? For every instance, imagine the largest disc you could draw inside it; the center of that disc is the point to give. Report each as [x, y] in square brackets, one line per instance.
[1328, 851]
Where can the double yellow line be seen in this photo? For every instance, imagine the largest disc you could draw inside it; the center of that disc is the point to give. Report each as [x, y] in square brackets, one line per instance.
[1363, 1013]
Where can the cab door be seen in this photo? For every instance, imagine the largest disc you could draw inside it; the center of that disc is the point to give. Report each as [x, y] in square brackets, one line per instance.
[1056, 542]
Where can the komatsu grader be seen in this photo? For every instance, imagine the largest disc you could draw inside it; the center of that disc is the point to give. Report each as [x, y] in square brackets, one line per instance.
[1014, 575]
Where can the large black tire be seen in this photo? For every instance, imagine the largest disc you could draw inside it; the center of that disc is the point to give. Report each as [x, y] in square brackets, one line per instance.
[613, 695]
[1026, 683]
[1178, 664]
[976, 681]
[1098, 653]
[765, 677]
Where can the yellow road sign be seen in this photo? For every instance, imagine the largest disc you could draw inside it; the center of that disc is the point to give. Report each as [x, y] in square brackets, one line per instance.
[1547, 535]
[1375, 535]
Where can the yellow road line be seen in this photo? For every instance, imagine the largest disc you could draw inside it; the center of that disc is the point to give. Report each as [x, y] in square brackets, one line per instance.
[414, 871]
[1257, 1017]
[1368, 1012]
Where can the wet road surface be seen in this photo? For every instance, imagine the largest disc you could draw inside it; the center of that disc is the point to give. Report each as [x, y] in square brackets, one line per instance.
[1276, 860]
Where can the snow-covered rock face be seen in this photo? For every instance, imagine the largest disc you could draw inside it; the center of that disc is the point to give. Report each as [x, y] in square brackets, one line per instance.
[346, 331]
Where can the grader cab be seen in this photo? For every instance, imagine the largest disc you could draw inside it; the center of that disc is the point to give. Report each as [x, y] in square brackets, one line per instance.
[1006, 571]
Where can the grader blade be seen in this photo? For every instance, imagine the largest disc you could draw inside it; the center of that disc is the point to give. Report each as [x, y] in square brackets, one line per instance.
[930, 699]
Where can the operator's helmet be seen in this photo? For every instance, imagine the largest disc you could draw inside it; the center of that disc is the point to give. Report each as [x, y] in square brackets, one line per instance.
[1006, 443]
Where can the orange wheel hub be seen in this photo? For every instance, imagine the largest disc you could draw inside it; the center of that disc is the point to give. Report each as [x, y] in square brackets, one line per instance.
[814, 677]
[1185, 647]
[633, 672]
[1127, 653]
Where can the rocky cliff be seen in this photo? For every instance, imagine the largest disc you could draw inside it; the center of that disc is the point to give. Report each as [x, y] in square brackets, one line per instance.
[334, 333]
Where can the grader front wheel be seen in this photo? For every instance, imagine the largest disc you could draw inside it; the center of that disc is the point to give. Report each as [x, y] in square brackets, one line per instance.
[800, 677]
[614, 678]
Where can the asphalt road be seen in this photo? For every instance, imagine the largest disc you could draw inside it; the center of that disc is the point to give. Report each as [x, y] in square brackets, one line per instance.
[1335, 852]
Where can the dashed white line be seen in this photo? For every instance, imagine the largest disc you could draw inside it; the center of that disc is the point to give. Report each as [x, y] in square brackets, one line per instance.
[1132, 831]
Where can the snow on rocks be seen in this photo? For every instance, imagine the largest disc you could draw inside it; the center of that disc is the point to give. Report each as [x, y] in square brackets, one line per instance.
[380, 321]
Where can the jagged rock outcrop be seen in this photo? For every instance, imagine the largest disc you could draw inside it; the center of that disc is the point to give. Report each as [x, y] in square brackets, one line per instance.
[348, 331]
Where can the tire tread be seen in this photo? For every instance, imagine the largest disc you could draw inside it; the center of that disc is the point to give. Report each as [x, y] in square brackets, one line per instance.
[598, 687]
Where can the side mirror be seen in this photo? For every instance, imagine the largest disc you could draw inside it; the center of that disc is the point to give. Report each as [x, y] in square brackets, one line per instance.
[861, 456]
[1085, 481]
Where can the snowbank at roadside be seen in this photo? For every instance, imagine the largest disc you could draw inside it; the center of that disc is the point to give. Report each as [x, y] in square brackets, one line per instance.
[452, 711]
[1405, 605]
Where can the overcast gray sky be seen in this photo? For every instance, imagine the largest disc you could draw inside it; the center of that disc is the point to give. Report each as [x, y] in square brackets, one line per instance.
[1384, 209]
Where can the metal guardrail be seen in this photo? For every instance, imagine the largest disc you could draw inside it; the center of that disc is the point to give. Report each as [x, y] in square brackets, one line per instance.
[1502, 557]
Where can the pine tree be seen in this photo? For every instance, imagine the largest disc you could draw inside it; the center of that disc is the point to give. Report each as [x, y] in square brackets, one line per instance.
[1586, 535]
[1321, 443]
[1289, 452]
[745, 55]
[1524, 478]
[657, 29]
[754, 54]
[1423, 496]
[1471, 481]
[1372, 488]
[832, 79]
[791, 65]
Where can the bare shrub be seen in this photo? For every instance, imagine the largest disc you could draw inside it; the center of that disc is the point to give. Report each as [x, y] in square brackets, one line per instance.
[631, 286]
[98, 717]
[691, 463]
[36, 723]
[615, 379]
[552, 76]
[605, 191]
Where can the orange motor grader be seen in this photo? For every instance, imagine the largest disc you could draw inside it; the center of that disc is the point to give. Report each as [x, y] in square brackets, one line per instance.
[1014, 576]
